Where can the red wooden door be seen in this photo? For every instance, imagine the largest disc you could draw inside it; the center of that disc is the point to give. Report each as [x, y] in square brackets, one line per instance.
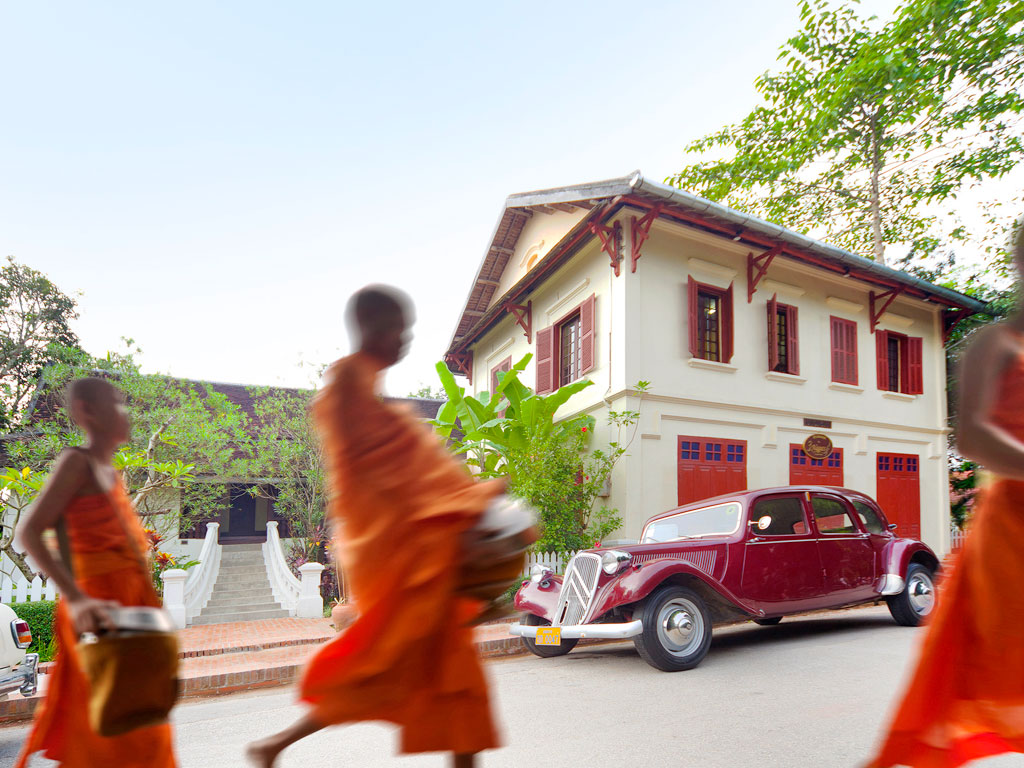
[710, 467]
[899, 492]
[803, 470]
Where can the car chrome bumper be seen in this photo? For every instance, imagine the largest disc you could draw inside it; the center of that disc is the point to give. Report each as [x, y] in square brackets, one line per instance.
[24, 677]
[892, 584]
[588, 631]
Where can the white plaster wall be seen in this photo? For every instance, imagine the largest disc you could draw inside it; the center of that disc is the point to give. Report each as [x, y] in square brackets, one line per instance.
[539, 235]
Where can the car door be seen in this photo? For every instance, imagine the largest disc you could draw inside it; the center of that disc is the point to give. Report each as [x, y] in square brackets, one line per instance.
[781, 567]
[848, 556]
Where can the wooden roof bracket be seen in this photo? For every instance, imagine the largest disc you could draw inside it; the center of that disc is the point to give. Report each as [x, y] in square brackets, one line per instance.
[886, 298]
[757, 268]
[462, 363]
[611, 241]
[951, 317]
[523, 313]
[639, 231]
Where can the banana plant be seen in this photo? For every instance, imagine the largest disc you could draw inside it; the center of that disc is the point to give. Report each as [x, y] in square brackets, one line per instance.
[512, 418]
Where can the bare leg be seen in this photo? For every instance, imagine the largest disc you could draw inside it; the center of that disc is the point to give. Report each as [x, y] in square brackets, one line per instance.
[263, 753]
[466, 760]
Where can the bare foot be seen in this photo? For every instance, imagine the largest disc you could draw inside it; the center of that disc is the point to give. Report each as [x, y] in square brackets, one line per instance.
[262, 754]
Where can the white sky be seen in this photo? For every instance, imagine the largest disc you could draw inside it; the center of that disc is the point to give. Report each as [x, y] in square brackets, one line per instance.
[216, 178]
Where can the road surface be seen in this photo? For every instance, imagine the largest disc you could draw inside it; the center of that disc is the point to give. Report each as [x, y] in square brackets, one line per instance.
[811, 692]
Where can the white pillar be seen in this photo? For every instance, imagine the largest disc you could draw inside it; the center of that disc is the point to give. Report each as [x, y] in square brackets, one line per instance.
[311, 602]
[174, 594]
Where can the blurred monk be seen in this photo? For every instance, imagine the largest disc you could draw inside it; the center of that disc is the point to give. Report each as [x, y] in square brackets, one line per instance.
[966, 698]
[400, 504]
[86, 493]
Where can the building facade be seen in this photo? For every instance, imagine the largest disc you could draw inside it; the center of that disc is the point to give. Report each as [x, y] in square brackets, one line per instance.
[752, 338]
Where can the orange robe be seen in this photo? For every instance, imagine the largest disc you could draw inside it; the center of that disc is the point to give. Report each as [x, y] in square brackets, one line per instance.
[966, 698]
[106, 567]
[399, 502]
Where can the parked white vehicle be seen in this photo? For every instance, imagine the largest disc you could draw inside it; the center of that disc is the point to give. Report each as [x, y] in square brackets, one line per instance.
[18, 670]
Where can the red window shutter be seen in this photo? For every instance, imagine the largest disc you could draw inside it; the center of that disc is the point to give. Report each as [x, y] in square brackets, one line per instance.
[727, 326]
[773, 334]
[915, 366]
[545, 360]
[837, 347]
[852, 367]
[792, 342]
[691, 314]
[588, 320]
[882, 358]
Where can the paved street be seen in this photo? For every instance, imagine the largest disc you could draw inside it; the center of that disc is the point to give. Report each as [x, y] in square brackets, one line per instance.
[810, 692]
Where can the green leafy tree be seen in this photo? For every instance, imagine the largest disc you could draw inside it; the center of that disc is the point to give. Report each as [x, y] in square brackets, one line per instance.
[35, 317]
[513, 433]
[426, 392]
[184, 437]
[865, 131]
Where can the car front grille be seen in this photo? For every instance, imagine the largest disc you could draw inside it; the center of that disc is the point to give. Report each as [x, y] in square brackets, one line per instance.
[578, 588]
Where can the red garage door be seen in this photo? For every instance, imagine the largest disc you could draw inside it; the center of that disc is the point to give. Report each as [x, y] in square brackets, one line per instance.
[709, 467]
[803, 470]
[899, 492]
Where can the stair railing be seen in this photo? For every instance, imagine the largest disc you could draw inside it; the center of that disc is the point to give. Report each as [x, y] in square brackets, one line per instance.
[187, 593]
[300, 597]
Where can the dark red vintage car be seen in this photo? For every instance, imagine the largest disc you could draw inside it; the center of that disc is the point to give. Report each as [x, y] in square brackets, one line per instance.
[754, 555]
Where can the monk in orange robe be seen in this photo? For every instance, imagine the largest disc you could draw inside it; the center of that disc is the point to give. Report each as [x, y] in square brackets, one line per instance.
[966, 698]
[402, 507]
[86, 492]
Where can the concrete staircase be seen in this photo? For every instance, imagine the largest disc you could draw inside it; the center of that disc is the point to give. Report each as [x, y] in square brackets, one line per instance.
[242, 591]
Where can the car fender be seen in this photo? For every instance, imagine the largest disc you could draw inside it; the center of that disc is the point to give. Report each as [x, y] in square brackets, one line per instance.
[897, 558]
[637, 582]
[10, 654]
[539, 597]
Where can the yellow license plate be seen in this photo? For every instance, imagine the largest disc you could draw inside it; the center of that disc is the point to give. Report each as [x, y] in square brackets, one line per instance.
[549, 636]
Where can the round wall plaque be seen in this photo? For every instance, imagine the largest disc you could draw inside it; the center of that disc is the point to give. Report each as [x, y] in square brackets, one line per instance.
[818, 446]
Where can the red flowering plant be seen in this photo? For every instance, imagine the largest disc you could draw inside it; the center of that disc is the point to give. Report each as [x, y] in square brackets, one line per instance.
[160, 561]
[317, 548]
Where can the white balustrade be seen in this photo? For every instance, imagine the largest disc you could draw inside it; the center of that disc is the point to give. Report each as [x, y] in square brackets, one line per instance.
[186, 594]
[301, 598]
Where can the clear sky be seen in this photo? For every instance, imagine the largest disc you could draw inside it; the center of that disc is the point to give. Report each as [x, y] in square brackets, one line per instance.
[215, 178]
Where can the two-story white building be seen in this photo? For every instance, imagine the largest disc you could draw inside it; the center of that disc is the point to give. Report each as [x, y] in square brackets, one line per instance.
[753, 338]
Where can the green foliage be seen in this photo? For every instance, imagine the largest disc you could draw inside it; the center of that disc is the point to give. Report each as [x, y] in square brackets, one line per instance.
[513, 433]
[35, 317]
[286, 450]
[867, 128]
[181, 430]
[40, 616]
[963, 490]
[426, 392]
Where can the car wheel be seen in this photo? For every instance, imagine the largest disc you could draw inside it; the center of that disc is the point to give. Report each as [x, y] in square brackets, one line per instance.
[768, 622]
[545, 651]
[677, 629]
[917, 600]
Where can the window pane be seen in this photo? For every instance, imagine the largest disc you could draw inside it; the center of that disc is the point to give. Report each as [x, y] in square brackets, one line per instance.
[869, 517]
[713, 452]
[787, 517]
[781, 320]
[894, 364]
[709, 319]
[569, 352]
[719, 519]
[832, 516]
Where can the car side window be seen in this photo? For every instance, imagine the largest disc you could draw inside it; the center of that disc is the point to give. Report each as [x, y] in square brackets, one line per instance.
[868, 517]
[782, 516]
[831, 516]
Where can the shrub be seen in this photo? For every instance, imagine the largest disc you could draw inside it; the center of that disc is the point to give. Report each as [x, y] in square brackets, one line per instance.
[40, 616]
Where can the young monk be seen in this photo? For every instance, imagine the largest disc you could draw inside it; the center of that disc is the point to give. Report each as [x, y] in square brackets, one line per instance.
[966, 698]
[86, 493]
[399, 503]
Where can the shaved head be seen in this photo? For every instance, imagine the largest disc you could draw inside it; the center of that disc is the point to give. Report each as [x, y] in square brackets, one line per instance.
[90, 390]
[378, 317]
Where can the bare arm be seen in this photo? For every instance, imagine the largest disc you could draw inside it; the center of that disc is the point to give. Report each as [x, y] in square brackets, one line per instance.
[978, 437]
[69, 474]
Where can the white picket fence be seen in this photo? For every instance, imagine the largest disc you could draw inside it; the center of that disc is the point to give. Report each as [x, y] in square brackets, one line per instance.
[956, 540]
[18, 590]
[550, 560]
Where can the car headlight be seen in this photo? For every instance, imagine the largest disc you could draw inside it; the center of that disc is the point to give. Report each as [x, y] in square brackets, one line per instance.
[539, 572]
[613, 560]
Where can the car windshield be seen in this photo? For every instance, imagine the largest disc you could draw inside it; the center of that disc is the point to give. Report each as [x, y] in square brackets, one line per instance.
[717, 520]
